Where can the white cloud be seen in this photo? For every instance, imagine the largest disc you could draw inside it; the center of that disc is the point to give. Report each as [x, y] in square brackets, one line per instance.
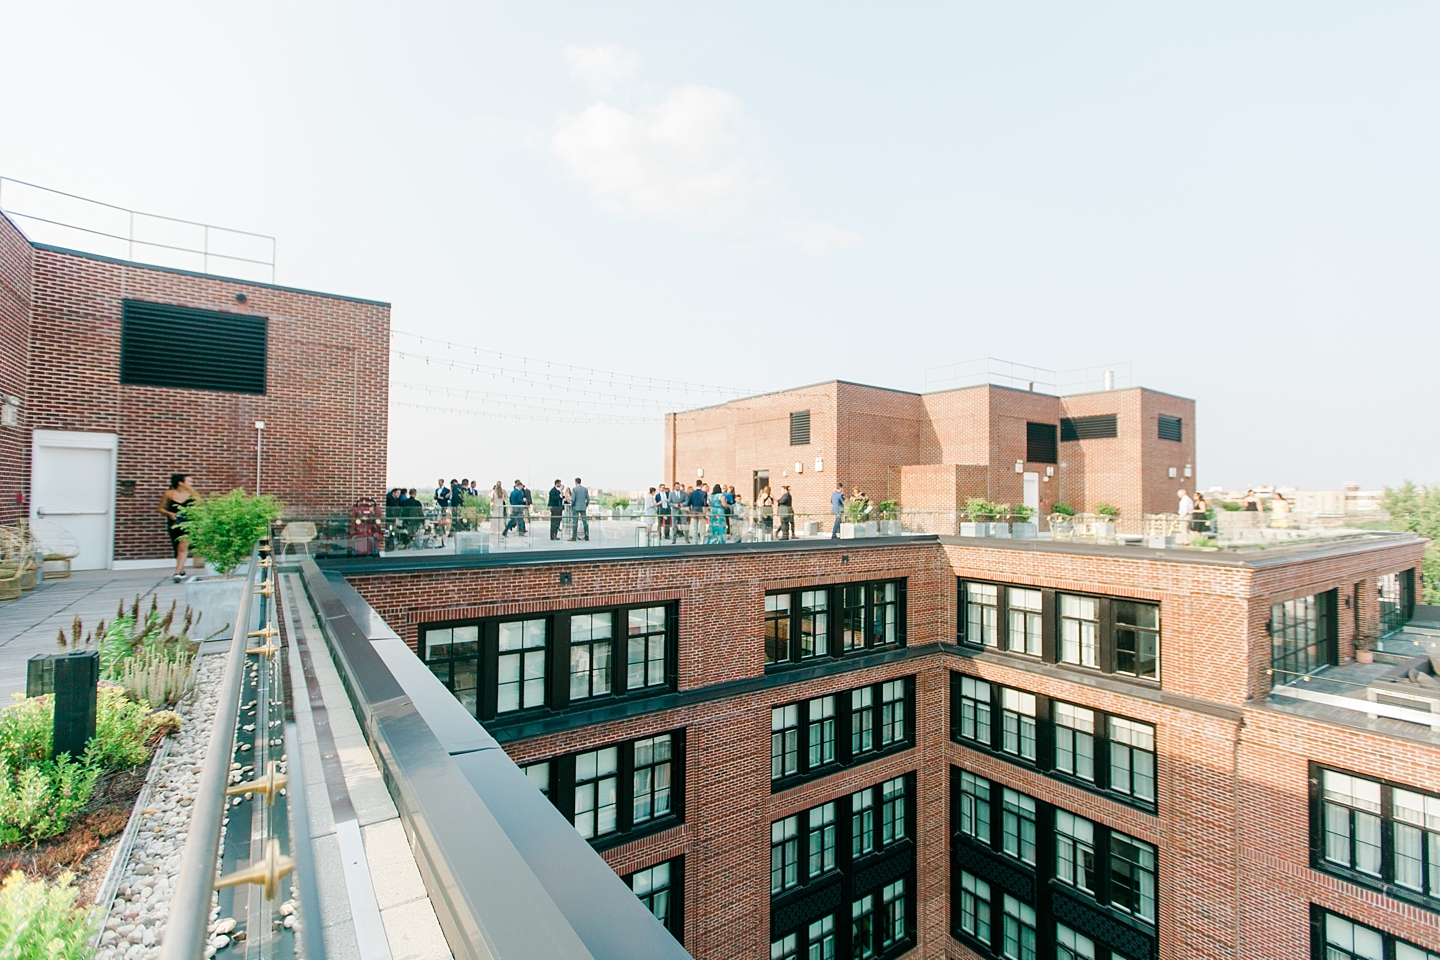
[821, 238]
[601, 67]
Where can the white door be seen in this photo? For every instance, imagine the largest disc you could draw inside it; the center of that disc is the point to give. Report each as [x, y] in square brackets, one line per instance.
[72, 484]
[1032, 491]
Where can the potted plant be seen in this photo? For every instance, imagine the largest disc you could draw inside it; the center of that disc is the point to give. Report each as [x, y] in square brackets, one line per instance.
[1364, 649]
[1000, 526]
[1062, 522]
[223, 529]
[889, 517]
[1022, 526]
[980, 512]
[1107, 513]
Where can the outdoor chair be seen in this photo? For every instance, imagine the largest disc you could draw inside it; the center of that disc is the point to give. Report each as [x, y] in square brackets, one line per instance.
[57, 546]
[295, 532]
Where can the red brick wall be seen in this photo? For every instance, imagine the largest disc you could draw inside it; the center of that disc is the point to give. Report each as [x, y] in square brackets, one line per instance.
[325, 410]
[1130, 471]
[15, 279]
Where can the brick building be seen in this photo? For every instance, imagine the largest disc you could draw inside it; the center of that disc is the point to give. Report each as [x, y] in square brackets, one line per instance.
[966, 748]
[123, 373]
[933, 451]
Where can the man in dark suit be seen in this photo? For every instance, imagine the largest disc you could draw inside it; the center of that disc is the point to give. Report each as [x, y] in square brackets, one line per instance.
[557, 508]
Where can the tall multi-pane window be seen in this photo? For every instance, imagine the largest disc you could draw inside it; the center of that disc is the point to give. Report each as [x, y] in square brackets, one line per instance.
[777, 627]
[821, 737]
[651, 793]
[1019, 939]
[652, 886]
[595, 799]
[862, 823]
[1018, 826]
[862, 721]
[1384, 833]
[1070, 945]
[892, 901]
[852, 617]
[591, 641]
[975, 710]
[884, 613]
[975, 807]
[1017, 713]
[820, 936]
[1352, 822]
[538, 774]
[645, 656]
[1390, 591]
[975, 906]
[1301, 636]
[814, 624]
[892, 712]
[784, 854]
[1075, 852]
[1132, 876]
[892, 811]
[862, 928]
[1074, 740]
[1079, 625]
[521, 667]
[1416, 829]
[822, 839]
[982, 614]
[1344, 939]
[784, 741]
[785, 948]
[1132, 758]
[1137, 639]
[1025, 621]
[452, 654]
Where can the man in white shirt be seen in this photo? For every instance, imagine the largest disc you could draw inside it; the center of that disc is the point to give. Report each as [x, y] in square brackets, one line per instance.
[1187, 507]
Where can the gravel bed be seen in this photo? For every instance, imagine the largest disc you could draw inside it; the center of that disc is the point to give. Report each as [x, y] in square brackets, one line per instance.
[136, 920]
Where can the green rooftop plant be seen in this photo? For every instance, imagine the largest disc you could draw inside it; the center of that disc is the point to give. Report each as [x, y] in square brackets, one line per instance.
[42, 921]
[1107, 510]
[1063, 509]
[224, 529]
[887, 509]
[980, 510]
[1022, 513]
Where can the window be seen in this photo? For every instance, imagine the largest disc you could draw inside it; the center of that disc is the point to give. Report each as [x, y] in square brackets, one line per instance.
[814, 624]
[777, 627]
[595, 798]
[982, 614]
[1017, 714]
[822, 732]
[1074, 740]
[1075, 852]
[653, 887]
[539, 774]
[1388, 834]
[884, 613]
[645, 662]
[800, 428]
[1079, 623]
[1070, 945]
[1132, 758]
[784, 948]
[784, 741]
[1396, 592]
[1019, 930]
[521, 669]
[862, 927]
[975, 907]
[1102, 427]
[1302, 636]
[452, 654]
[784, 854]
[852, 617]
[862, 823]
[1018, 826]
[652, 779]
[975, 710]
[1132, 876]
[1417, 841]
[821, 939]
[822, 839]
[1040, 443]
[1344, 939]
[862, 721]
[220, 352]
[892, 899]
[1172, 428]
[1025, 621]
[892, 811]
[975, 807]
[892, 712]
[591, 641]
[1352, 822]
[1137, 639]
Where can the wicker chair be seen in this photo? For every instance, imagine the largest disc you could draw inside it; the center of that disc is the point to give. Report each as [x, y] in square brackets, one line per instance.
[57, 547]
[10, 581]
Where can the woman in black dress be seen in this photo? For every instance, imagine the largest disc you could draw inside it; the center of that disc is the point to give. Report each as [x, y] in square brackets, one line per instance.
[173, 504]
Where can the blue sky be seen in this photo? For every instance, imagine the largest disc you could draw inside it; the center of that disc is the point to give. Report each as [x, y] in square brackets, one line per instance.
[1240, 200]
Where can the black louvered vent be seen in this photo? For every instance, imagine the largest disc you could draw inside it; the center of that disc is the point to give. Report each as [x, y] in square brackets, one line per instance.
[1040, 445]
[1172, 428]
[800, 428]
[1101, 427]
[162, 345]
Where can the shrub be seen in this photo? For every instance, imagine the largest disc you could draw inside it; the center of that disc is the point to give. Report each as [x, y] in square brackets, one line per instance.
[224, 529]
[887, 509]
[40, 800]
[153, 677]
[1064, 509]
[1107, 510]
[980, 509]
[26, 729]
[121, 727]
[1022, 513]
[42, 921]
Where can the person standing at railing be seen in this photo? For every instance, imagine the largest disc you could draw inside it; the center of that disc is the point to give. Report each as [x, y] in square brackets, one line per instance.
[679, 502]
[652, 515]
[557, 508]
[1200, 520]
[580, 500]
[837, 507]
[785, 506]
[517, 510]
[767, 514]
[442, 495]
[662, 510]
[699, 505]
[497, 508]
[719, 516]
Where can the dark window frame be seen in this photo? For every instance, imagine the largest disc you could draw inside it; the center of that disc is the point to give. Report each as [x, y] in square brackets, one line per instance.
[1100, 426]
[1171, 428]
[795, 642]
[800, 428]
[1388, 941]
[185, 348]
[1293, 652]
[675, 919]
[1042, 443]
[846, 725]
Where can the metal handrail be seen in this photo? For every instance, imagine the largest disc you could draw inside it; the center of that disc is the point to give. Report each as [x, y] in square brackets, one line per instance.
[188, 921]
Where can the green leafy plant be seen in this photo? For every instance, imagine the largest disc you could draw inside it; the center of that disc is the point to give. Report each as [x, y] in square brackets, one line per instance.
[224, 529]
[980, 510]
[26, 729]
[1417, 508]
[42, 921]
[40, 801]
[1231, 506]
[1022, 513]
[888, 509]
[1063, 509]
[121, 728]
[1107, 510]
[859, 510]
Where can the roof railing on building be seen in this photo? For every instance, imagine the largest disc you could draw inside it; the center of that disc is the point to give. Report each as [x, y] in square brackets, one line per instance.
[61, 219]
[1024, 376]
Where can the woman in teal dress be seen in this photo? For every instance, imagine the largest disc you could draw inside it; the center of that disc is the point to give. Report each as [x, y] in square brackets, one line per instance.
[717, 516]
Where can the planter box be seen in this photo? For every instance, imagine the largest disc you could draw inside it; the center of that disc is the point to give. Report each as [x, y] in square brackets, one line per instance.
[1159, 542]
[1105, 528]
[216, 601]
[890, 528]
[872, 528]
[853, 531]
[1001, 530]
[472, 542]
[1024, 531]
[970, 529]
[811, 528]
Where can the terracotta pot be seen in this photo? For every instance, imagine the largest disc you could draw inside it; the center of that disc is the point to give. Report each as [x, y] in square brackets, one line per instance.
[1364, 656]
